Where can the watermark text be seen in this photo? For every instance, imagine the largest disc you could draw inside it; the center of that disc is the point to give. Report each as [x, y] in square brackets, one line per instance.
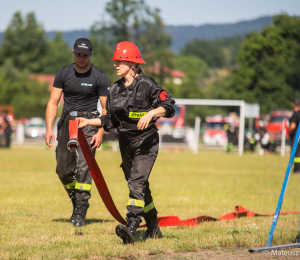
[281, 253]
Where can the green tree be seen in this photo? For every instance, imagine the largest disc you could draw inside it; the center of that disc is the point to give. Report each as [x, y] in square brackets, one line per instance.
[206, 50]
[133, 20]
[101, 59]
[195, 70]
[59, 55]
[24, 43]
[27, 96]
[269, 65]
[194, 67]
[230, 47]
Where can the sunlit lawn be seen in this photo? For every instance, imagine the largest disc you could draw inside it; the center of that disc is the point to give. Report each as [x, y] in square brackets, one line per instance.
[35, 208]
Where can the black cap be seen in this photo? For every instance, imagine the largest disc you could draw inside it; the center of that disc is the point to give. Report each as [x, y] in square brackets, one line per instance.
[83, 45]
[296, 102]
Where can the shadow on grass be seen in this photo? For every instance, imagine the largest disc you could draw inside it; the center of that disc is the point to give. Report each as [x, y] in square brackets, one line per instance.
[87, 221]
[139, 234]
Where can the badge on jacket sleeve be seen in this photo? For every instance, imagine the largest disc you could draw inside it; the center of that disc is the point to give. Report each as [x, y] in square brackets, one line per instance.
[164, 95]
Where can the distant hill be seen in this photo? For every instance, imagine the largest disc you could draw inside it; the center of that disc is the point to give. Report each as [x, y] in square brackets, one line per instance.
[70, 36]
[184, 34]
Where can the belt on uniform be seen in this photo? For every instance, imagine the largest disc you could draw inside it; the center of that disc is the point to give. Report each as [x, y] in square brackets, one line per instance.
[128, 126]
[81, 114]
[78, 113]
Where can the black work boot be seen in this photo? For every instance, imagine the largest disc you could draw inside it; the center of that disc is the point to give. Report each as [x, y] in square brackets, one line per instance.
[296, 168]
[127, 232]
[153, 230]
[71, 193]
[80, 213]
[72, 218]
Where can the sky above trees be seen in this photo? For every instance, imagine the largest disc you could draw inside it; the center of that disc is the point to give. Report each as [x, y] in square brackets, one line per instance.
[262, 67]
[77, 14]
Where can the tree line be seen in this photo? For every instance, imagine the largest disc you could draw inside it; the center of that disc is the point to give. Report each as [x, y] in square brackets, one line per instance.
[261, 67]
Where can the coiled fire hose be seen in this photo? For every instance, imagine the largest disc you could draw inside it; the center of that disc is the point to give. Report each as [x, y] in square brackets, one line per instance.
[78, 140]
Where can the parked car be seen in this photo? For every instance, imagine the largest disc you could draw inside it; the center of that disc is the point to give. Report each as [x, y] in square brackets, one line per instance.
[35, 127]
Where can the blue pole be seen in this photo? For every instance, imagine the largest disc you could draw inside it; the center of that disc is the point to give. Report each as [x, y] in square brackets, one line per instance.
[283, 189]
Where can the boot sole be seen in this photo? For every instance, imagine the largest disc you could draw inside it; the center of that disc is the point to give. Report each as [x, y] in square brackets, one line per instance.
[78, 224]
[123, 233]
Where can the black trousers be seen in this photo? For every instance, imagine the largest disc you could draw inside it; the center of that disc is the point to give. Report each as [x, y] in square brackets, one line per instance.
[137, 164]
[297, 160]
[8, 140]
[74, 175]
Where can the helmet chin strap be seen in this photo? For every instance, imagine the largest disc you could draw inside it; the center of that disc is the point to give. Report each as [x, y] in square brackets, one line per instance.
[133, 69]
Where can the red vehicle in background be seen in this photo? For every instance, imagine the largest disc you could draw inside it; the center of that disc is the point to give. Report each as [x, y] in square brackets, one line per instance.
[214, 132]
[274, 126]
[177, 121]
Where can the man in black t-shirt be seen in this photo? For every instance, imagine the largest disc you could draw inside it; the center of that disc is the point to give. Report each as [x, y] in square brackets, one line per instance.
[82, 85]
[294, 123]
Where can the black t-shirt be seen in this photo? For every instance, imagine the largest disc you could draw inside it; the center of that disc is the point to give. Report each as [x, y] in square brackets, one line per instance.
[295, 119]
[81, 90]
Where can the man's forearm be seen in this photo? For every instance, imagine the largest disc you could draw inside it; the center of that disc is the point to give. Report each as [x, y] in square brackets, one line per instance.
[104, 112]
[93, 121]
[50, 115]
[158, 112]
[292, 128]
[101, 132]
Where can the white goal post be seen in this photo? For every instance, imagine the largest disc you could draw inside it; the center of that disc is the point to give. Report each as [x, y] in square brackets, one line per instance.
[221, 102]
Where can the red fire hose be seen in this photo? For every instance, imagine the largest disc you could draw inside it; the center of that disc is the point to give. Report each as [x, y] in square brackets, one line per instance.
[78, 135]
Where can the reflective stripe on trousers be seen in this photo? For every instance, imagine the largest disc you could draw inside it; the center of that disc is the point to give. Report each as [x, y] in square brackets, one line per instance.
[137, 164]
[297, 159]
[149, 207]
[70, 185]
[83, 186]
[137, 203]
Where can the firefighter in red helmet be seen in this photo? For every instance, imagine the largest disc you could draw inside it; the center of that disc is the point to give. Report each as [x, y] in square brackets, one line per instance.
[133, 105]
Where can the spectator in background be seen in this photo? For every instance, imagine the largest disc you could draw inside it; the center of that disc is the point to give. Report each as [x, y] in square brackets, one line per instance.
[250, 143]
[6, 130]
[261, 129]
[294, 123]
[267, 143]
[232, 135]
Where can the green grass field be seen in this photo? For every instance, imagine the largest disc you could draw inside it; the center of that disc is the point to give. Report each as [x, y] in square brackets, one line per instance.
[35, 208]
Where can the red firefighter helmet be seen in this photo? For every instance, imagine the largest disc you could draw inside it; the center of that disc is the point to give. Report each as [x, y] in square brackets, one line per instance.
[128, 51]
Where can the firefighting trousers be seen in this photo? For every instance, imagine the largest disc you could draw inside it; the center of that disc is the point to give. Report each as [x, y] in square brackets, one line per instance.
[137, 164]
[297, 160]
[72, 168]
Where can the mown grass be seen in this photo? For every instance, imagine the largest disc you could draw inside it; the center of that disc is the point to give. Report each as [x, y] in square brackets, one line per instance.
[35, 208]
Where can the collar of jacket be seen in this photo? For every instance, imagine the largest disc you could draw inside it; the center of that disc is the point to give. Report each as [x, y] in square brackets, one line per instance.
[133, 84]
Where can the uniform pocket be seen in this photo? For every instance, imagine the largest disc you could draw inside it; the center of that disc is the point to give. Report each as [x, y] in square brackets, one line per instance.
[59, 124]
[140, 103]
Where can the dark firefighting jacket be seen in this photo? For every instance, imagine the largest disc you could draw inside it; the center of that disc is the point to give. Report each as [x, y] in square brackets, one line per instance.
[126, 105]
